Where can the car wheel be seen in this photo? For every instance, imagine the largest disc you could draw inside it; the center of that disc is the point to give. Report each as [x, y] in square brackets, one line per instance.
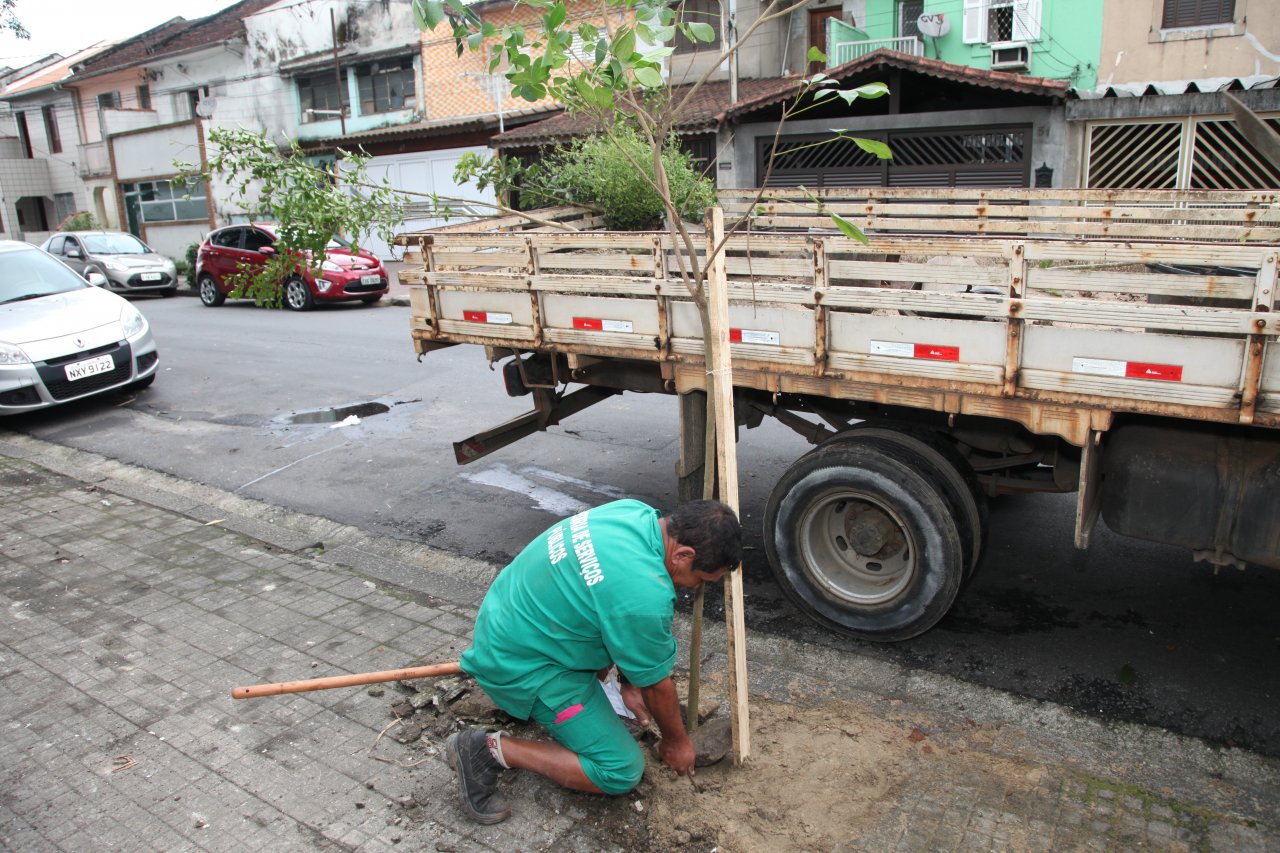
[297, 295]
[210, 295]
[861, 542]
[371, 300]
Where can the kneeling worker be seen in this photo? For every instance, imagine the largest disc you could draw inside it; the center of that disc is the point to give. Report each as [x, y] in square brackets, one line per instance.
[595, 590]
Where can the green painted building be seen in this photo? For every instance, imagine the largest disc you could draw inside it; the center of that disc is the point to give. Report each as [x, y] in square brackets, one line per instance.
[1056, 39]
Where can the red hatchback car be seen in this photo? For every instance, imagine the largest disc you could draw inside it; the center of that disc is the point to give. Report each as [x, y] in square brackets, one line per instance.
[344, 275]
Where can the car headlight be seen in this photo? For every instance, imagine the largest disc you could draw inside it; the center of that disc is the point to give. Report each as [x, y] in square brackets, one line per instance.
[114, 266]
[12, 354]
[330, 266]
[132, 321]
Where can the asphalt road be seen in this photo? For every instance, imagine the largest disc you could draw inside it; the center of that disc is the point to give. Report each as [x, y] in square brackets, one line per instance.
[1126, 631]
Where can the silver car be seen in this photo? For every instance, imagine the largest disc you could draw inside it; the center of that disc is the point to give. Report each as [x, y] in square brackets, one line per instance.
[129, 265]
[63, 338]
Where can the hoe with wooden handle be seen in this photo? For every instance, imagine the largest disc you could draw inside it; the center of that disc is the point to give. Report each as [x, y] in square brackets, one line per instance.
[282, 687]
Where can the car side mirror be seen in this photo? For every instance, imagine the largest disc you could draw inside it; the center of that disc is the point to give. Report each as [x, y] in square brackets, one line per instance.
[74, 253]
[97, 279]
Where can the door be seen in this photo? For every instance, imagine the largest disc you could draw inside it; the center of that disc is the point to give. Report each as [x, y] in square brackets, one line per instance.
[223, 254]
[818, 32]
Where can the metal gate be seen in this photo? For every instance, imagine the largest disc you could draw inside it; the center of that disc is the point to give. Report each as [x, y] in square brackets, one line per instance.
[989, 156]
[1181, 153]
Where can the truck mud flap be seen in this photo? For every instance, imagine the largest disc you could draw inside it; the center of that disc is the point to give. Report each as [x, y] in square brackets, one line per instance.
[550, 410]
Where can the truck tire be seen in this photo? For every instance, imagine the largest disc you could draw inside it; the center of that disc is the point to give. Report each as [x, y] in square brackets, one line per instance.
[934, 456]
[863, 542]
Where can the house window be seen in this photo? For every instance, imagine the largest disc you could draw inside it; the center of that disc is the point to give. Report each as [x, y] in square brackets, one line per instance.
[1197, 13]
[109, 101]
[909, 12]
[51, 130]
[385, 86]
[64, 204]
[1000, 22]
[144, 97]
[699, 12]
[996, 21]
[160, 201]
[321, 98]
[24, 135]
[192, 99]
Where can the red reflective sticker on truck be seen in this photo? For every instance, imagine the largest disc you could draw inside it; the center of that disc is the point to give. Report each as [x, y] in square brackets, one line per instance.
[1163, 372]
[936, 352]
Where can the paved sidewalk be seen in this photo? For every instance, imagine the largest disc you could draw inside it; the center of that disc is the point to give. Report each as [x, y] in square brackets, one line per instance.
[131, 602]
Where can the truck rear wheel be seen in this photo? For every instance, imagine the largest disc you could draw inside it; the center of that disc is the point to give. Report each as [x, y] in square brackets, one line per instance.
[863, 542]
[930, 453]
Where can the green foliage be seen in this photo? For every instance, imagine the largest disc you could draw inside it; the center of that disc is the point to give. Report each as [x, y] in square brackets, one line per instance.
[9, 20]
[80, 221]
[192, 250]
[308, 204]
[611, 174]
[615, 174]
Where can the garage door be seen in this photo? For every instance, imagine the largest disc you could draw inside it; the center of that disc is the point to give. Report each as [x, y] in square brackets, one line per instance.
[990, 156]
[428, 172]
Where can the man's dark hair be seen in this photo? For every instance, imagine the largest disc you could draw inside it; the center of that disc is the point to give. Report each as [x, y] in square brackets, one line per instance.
[712, 530]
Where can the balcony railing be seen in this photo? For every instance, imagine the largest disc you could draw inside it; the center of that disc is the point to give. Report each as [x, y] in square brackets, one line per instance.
[93, 160]
[847, 51]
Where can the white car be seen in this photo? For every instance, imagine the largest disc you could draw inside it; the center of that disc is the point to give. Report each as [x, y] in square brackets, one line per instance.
[62, 338]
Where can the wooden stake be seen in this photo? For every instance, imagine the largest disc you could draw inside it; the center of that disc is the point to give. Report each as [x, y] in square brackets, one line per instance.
[720, 374]
[695, 663]
[282, 687]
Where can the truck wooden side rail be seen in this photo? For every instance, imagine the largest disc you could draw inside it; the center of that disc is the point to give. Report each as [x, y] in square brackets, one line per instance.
[1121, 345]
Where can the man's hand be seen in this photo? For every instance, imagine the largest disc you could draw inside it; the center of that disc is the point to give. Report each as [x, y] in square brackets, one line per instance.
[633, 698]
[676, 749]
[678, 753]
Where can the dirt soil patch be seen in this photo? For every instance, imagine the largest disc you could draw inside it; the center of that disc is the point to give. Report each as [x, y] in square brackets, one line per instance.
[818, 776]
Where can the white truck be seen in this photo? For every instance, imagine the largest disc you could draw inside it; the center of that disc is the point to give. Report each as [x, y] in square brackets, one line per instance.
[1119, 344]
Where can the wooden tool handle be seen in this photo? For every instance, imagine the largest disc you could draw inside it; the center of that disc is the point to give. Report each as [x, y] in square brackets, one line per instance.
[282, 687]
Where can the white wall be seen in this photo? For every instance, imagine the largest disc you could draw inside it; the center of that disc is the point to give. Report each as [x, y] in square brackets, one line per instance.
[150, 154]
[423, 172]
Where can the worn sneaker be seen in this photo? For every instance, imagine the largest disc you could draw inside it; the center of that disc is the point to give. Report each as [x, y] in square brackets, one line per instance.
[478, 771]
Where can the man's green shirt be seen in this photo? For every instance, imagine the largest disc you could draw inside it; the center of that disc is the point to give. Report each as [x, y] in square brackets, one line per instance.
[590, 591]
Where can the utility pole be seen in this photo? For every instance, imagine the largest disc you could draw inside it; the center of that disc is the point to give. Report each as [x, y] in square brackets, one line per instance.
[337, 73]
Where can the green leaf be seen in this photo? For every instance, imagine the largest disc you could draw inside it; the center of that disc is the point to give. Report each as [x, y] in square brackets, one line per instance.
[873, 146]
[659, 52]
[816, 55]
[853, 232]
[429, 13]
[702, 32]
[624, 44]
[1127, 674]
[649, 78]
[872, 90]
[557, 16]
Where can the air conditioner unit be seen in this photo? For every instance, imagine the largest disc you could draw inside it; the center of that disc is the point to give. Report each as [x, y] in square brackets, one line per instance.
[1010, 56]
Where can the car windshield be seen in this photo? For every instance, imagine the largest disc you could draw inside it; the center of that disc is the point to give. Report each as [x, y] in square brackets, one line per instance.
[336, 242]
[114, 244]
[30, 274]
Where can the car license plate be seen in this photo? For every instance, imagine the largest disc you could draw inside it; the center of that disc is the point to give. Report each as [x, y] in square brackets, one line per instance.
[151, 276]
[90, 367]
[370, 279]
